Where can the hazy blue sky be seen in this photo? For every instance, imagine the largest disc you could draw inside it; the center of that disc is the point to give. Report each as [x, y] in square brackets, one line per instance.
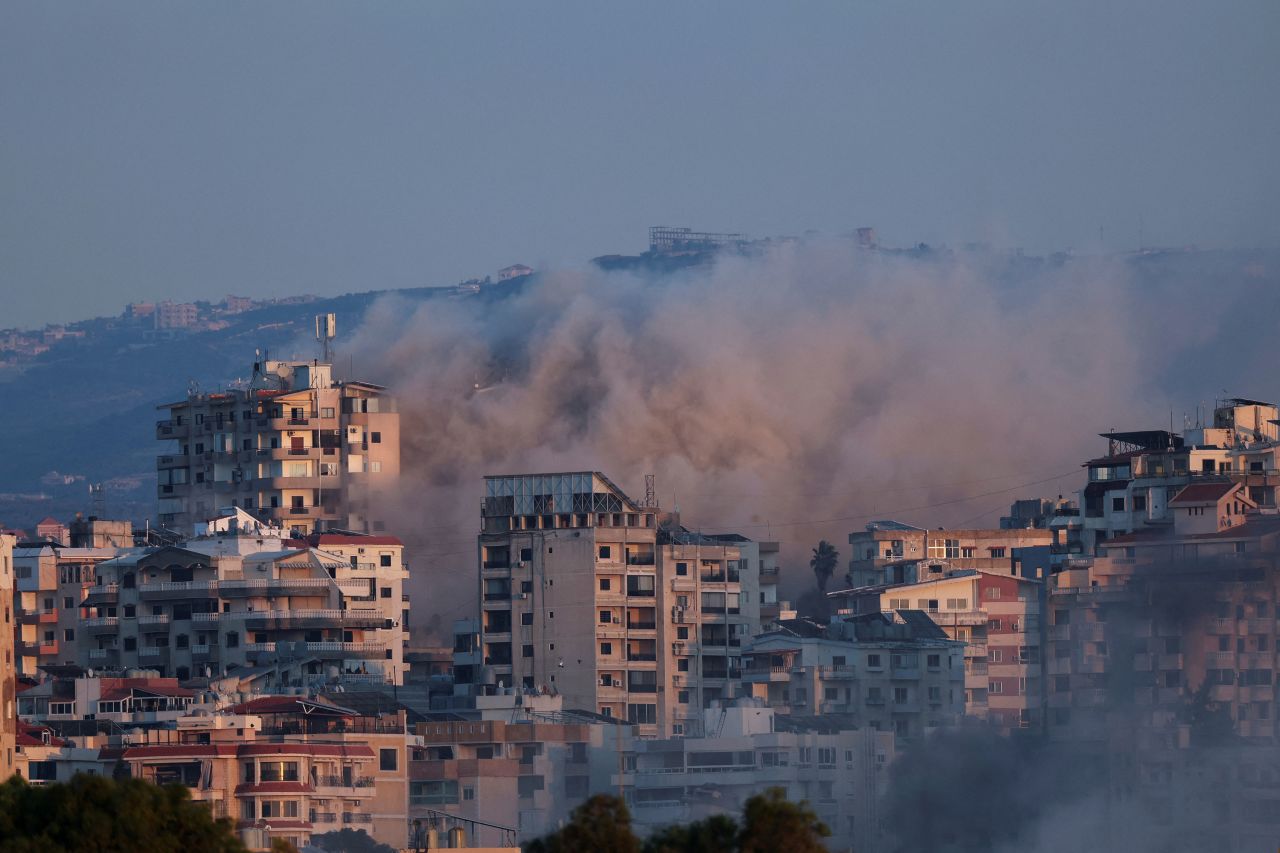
[172, 149]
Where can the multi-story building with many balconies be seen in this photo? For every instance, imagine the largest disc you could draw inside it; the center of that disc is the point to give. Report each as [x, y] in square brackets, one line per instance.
[296, 447]
[8, 669]
[52, 581]
[592, 595]
[892, 672]
[250, 599]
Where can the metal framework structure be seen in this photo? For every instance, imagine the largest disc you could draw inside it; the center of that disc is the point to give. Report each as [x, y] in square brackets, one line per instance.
[667, 239]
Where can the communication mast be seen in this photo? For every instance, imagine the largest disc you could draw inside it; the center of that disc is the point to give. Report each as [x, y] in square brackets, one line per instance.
[326, 331]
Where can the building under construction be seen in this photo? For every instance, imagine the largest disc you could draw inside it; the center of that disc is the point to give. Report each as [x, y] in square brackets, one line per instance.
[667, 240]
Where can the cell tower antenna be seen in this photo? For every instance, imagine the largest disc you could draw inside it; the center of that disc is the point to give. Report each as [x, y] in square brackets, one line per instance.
[326, 331]
[650, 498]
[98, 500]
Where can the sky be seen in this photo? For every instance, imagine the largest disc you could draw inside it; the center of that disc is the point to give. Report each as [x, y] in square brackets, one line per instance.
[185, 151]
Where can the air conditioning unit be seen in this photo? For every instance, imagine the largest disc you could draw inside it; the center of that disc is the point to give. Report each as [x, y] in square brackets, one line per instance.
[677, 648]
[520, 564]
[520, 596]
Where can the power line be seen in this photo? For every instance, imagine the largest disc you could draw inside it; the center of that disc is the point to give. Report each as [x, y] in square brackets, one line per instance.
[883, 513]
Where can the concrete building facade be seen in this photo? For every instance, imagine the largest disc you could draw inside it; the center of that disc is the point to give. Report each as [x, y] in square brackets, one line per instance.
[591, 595]
[8, 663]
[297, 448]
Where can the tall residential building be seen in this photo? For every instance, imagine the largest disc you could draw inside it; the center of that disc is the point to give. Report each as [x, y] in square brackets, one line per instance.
[296, 448]
[238, 599]
[584, 594]
[1173, 623]
[51, 584]
[893, 672]
[8, 664]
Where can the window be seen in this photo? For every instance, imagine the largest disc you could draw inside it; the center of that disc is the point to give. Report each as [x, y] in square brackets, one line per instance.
[233, 640]
[642, 713]
[387, 759]
[682, 633]
[526, 618]
[682, 697]
[997, 553]
[526, 651]
[526, 586]
[604, 584]
[68, 602]
[934, 661]
[606, 551]
[375, 438]
[62, 708]
[278, 771]
[69, 634]
[1117, 504]
[436, 793]
[968, 553]
[384, 560]
[682, 569]
[873, 661]
[606, 649]
[606, 617]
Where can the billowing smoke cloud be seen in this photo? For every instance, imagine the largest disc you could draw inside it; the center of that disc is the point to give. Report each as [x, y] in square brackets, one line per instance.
[788, 396]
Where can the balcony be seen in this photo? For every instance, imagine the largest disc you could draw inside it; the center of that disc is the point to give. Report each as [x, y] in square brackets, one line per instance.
[259, 648]
[274, 620]
[102, 625]
[766, 674]
[324, 817]
[348, 786]
[357, 817]
[642, 656]
[102, 655]
[203, 653]
[153, 654]
[177, 589]
[836, 672]
[106, 593]
[336, 650]
[154, 621]
[172, 429]
[641, 624]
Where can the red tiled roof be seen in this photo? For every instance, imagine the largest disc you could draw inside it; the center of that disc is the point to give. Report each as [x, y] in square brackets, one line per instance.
[1203, 493]
[283, 705]
[33, 735]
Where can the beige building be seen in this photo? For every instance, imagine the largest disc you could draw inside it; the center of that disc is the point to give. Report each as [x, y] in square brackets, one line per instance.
[516, 769]
[8, 664]
[287, 767]
[584, 595]
[240, 600]
[296, 448]
[51, 583]
[890, 552]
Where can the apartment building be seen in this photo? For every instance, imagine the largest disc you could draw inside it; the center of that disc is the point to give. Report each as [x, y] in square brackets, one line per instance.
[838, 767]
[890, 552]
[1168, 620]
[889, 672]
[591, 595]
[515, 767]
[998, 617]
[236, 600]
[297, 448]
[1129, 488]
[8, 663]
[51, 582]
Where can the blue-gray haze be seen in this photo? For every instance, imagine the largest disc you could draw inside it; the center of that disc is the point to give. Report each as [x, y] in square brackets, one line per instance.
[178, 150]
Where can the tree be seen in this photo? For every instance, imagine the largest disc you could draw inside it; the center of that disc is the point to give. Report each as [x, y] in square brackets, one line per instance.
[772, 824]
[601, 823]
[824, 562]
[349, 841]
[716, 834]
[108, 815]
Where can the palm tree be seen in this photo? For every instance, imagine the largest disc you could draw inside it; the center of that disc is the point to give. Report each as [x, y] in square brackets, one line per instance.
[824, 562]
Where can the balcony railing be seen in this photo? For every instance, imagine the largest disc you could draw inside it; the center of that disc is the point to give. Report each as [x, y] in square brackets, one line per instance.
[642, 624]
[357, 817]
[344, 782]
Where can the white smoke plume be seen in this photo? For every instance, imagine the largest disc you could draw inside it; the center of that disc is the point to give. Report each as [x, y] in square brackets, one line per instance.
[790, 396]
